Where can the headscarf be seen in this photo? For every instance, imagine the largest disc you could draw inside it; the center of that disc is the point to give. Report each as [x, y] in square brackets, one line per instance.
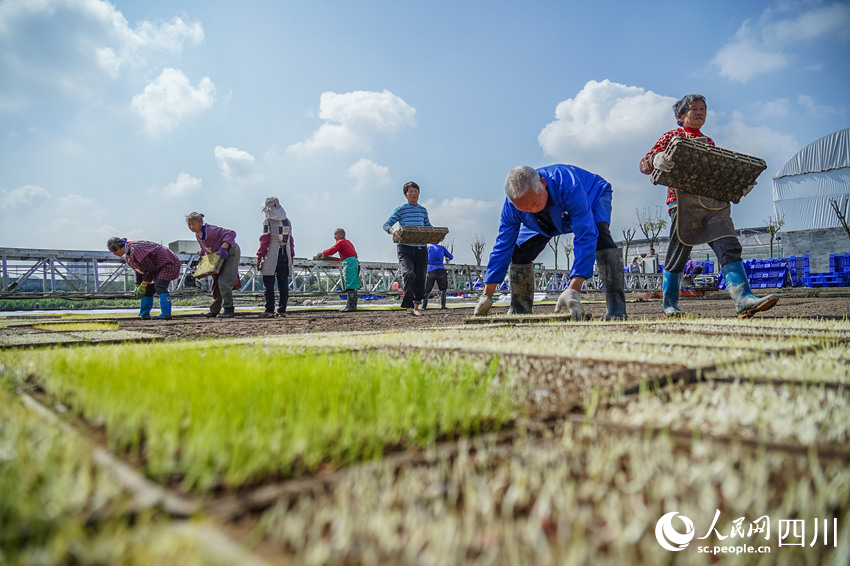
[273, 210]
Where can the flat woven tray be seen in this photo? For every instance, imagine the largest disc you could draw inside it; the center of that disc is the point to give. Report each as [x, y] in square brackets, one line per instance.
[708, 171]
[419, 234]
[210, 264]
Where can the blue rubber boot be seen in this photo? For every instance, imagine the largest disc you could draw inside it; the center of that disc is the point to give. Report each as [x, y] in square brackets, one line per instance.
[164, 306]
[145, 310]
[738, 285]
[670, 290]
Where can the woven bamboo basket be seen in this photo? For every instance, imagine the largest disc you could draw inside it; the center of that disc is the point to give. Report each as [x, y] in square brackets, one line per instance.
[419, 234]
[210, 264]
[708, 171]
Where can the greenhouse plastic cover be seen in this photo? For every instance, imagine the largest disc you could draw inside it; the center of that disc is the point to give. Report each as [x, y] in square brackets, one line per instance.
[818, 173]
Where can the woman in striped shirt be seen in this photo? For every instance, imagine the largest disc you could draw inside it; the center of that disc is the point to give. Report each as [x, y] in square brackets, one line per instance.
[413, 258]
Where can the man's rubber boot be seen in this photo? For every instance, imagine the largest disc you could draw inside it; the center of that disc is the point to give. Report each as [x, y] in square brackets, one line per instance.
[146, 306]
[227, 313]
[670, 290]
[351, 304]
[738, 285]
[442, 299]
[215, 308]
[164, 307]
[610, 265]
[522, 288]
[425, 301]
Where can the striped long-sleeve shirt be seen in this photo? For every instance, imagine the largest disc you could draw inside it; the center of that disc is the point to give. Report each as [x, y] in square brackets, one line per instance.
[408, 215]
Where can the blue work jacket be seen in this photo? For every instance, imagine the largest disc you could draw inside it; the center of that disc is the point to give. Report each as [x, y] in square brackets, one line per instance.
[578, 199]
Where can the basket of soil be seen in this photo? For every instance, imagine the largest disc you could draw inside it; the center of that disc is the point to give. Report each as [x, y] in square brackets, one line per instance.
[709, 171]
[419, 234]
[210, 264]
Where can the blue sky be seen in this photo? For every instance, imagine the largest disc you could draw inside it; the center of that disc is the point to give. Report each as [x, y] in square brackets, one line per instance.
[120, 118]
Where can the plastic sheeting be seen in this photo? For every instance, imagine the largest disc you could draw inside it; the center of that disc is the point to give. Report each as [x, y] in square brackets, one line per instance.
[816, 175]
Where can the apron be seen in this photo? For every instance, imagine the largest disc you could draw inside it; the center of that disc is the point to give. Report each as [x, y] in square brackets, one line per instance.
[351, 273]
[702, 219]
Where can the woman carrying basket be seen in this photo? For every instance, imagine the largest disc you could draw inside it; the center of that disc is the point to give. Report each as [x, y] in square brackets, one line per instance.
[698, 219]
[221, 241]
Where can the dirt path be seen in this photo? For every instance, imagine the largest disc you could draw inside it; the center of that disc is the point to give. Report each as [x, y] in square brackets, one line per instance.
[302, 321]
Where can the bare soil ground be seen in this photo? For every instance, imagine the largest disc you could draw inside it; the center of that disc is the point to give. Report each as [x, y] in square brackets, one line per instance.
[299, 321]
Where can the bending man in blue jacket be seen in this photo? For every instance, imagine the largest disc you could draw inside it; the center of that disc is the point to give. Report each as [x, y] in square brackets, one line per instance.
[540, 204]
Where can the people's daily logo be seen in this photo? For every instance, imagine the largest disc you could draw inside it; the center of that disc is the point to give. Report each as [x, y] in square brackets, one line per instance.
[664, 532]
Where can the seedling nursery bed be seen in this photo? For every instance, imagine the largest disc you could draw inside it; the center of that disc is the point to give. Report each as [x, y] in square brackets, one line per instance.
[534, 442]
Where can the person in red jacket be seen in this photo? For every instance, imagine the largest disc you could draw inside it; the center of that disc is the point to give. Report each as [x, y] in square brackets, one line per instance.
[350, 267]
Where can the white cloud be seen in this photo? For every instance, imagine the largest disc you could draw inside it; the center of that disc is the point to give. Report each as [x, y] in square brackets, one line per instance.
[464, 215]
[816, 110]
[353, 118]
[820, 21]
[741, 60]
[237, 165]
[763, 47]
[368, 175]
[170, 98]
[25, 195]
[184, 185]
[589, 132]
[42, 52]
[778, 108]
[74, 200]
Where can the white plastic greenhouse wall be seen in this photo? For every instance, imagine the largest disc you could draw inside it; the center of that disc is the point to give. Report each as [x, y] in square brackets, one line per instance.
[818, 173]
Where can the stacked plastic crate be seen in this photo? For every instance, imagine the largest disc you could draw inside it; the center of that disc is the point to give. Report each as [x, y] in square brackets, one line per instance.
[798, 267]
[768, 273]
[837, 276]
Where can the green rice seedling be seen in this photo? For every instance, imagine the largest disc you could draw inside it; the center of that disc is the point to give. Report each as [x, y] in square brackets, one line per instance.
[77, 326]
[223, 416]
[57, 507]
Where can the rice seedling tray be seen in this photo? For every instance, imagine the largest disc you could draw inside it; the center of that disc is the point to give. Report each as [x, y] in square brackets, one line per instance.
[709, 171]
[209, 265]
[419, 234]
[593, 493]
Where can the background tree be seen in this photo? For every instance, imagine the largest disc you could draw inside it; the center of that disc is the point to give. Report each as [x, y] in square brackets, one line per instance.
[651, 224]
[568, 249]
[553, 245]
[842, 216]
[477, 245]
[628, 236]
[773, 226]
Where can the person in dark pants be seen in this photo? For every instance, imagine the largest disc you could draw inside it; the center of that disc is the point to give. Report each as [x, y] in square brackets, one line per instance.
[542, 203]
[152, 263]
[437, 254]
[274, 258]
[413, 258]
[222, 241]
[697, 220]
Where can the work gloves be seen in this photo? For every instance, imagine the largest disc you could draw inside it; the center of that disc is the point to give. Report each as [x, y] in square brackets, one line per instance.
[662, 162]
[483, 306]
[140, 290]
[222, 252]
[571, 300]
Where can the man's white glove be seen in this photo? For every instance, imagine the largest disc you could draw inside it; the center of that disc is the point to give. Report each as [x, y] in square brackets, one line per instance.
[483, 306]
[662, 162]
[570, 299]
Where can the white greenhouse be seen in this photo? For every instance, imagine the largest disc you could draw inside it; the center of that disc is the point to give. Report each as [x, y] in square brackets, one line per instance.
[817, 174]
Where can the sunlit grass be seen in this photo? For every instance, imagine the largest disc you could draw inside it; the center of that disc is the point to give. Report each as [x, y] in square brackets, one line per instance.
[220, 416]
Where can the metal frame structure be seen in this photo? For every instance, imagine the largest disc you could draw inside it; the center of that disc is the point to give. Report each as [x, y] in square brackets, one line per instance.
[42, 273]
